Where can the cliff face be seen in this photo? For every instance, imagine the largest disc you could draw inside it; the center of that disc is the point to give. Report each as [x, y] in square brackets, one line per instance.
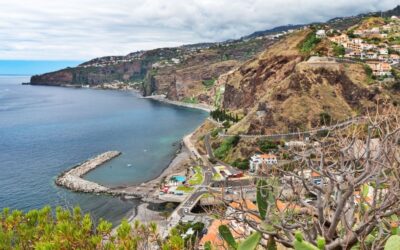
[55, 78]
[128, 69]
[281, 90]
[182, 73]
[194, 77]
[91, 75]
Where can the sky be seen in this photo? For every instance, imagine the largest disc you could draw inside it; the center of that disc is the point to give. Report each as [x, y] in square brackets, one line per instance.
[33, 67]
[85, 29]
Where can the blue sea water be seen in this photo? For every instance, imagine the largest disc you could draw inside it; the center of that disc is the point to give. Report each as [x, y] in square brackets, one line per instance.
[46, 130]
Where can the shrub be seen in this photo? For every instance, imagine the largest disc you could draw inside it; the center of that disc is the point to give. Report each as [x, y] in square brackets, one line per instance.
[226, 146]
[325, 118]
[242, 164]
[209, 83]
[368, 72]
[267, 145]
[226, 124]
[338, 50]
[65, 229]
[215, 132]
[309, 43]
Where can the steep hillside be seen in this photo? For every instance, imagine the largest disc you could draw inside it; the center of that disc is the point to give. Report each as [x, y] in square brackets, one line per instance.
[282, 90]
[184, 73]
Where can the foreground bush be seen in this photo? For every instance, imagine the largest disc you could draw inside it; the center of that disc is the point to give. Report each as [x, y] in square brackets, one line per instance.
[44, 230]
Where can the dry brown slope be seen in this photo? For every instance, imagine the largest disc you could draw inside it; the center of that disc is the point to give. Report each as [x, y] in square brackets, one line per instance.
[279, 91]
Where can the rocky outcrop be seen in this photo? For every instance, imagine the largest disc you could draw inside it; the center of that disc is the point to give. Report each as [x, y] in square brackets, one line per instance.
[91, 75]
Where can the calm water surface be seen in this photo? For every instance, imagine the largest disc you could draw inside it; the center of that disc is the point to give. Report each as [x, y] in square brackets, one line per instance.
[46, 130]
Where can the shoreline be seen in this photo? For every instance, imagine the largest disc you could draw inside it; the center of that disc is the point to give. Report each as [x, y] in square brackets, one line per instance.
[123, 87]
[147, 191]
[163, 99]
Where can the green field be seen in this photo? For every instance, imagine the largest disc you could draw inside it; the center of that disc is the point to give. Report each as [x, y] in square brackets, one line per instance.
[197, 178]
[185, 189]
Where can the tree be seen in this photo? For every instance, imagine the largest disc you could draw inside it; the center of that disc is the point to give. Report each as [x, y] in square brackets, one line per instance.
[353, 184]
[65, 229]
[267, 145]
[338, 50]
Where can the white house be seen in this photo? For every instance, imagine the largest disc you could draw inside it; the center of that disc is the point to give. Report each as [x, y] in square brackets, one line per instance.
[321, 34]
[383, 51]
[257, 161]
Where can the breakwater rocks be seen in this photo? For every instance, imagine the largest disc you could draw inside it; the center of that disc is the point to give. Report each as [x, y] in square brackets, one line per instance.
[72, 179]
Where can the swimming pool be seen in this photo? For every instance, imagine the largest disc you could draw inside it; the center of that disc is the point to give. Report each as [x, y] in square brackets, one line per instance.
[179, 178]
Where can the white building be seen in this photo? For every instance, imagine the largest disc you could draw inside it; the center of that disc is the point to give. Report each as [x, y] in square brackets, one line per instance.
[321, 34]
[258, 161]
[383, 51]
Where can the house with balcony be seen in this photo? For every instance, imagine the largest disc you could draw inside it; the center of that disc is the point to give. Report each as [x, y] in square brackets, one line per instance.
[260, 162]
[380, 68]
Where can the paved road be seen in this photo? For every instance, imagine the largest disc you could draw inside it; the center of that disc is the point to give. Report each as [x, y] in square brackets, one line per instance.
[210, 152]
[183, 210]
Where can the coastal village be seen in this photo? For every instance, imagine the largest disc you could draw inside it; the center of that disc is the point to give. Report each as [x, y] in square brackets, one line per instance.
[233, 184]
[229, 182]
[374, 43]
[203, 182]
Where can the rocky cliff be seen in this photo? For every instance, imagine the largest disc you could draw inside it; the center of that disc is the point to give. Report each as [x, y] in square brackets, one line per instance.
[283, 89]
[184, 73]
[274, 85]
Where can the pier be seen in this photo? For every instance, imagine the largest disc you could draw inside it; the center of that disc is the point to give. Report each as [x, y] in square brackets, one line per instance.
[72, 179]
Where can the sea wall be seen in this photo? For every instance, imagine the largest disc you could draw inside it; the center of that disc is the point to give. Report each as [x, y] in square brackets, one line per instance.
[72, 179]
[164, 99]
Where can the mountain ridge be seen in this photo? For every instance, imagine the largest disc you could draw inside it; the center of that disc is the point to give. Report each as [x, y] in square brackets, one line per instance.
[275, 83]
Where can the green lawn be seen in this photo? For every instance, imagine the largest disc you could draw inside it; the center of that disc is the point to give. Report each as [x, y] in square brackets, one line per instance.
[217, 177]
[185, 189]
[197, 178]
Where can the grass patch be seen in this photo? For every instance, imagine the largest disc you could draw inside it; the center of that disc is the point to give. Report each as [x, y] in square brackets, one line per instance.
[217, 177]
[207, 195]
[197, 178]
[191, 100]
[208, 83]
[368, 72]
[185, 189]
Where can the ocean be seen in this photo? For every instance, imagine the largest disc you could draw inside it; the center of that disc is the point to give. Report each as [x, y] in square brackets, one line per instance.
[46, 130]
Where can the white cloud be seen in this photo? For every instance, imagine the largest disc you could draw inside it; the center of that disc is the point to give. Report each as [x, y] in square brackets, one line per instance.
[83, 29]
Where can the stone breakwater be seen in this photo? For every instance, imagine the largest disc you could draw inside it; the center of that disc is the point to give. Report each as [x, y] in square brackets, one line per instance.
[72, 179]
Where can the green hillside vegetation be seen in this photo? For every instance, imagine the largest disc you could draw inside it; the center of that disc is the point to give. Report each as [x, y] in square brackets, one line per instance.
[309, 43]
[226, 146]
